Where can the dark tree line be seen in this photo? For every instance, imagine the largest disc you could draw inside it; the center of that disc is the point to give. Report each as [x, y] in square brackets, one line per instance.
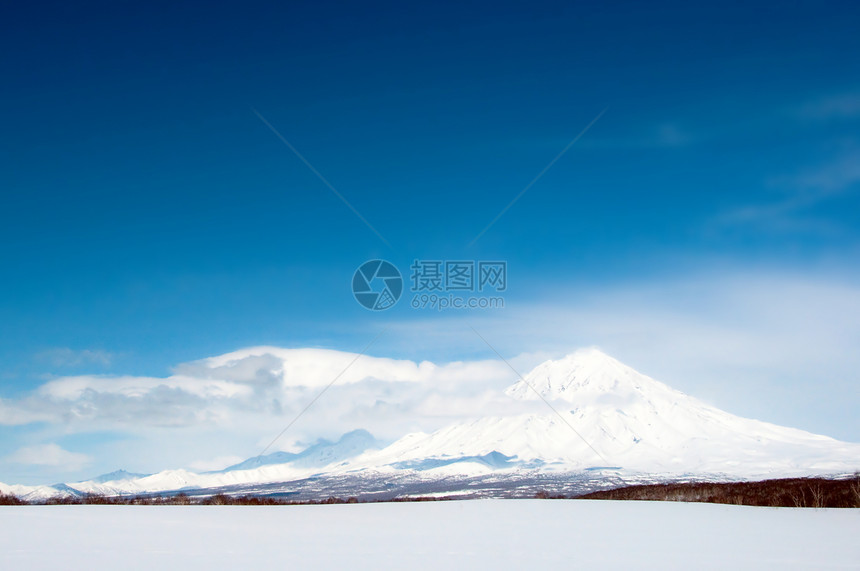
[787, 492]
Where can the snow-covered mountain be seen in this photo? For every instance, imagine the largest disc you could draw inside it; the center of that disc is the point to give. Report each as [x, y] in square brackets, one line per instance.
[603, 413]
[318, 455]
[117, 475]
[601, 417]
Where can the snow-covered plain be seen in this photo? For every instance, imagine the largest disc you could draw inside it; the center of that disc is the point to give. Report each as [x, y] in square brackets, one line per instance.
[499, 534]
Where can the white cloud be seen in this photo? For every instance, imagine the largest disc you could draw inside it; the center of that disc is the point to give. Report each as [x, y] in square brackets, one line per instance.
[304, 367]
[213, 464]
[76, 388]
[66, 357]
[17, 413]
[259, 389]
[49, 455]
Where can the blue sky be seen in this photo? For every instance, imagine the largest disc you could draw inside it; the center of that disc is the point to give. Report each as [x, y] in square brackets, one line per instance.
[150, 218]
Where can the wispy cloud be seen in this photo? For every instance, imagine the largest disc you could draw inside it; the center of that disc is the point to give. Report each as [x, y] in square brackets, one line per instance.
[661, 135]
[65, 357]
[801, 190]
[835, 106]
[218, 463]
[833, 177]
[49, 455]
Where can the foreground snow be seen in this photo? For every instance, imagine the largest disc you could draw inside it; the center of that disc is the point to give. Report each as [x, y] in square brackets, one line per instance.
[484, 534]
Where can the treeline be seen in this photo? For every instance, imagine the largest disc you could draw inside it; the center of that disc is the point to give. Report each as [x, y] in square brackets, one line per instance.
[6, 500]
[183, 499]
[788, 492]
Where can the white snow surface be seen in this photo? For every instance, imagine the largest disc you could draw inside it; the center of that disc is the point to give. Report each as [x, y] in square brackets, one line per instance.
[600, 413]
[478, 534]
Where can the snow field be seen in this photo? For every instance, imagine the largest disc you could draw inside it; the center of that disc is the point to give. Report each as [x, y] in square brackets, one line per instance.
[499, 534]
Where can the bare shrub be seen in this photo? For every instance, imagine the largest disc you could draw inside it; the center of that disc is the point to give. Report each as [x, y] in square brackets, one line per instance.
[855, 489]
[9, 500]
[816, 494]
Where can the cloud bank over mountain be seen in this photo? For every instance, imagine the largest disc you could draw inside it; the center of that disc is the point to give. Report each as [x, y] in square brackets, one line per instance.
[232, 405]
[259, 380]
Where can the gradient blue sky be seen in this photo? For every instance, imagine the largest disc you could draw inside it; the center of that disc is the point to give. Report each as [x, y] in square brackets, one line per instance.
[149, 218]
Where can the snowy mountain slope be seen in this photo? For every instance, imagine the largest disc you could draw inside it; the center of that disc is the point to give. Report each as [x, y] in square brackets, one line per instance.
[35, 493]
[277, 467]
[176, 480]
[318, 455]
[601, 415]
[117, 475]
[607, 414]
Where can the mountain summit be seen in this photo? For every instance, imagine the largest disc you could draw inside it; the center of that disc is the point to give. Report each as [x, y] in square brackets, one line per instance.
[585, 373]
